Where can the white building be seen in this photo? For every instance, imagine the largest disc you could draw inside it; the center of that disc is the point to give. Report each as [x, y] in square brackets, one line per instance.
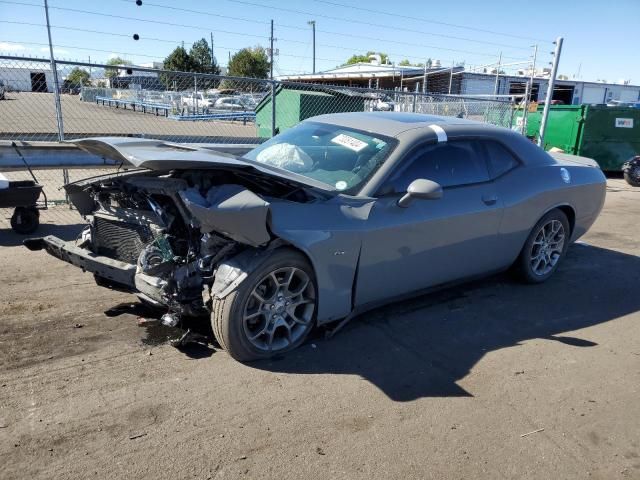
[566, 91]
[37, 77]
[363, 74]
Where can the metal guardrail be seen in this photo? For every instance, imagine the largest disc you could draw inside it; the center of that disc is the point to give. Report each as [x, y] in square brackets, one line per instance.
[215, 116]
[143, 106]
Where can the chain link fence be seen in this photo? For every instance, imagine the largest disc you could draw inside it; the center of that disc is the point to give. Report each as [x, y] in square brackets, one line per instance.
[101, 100]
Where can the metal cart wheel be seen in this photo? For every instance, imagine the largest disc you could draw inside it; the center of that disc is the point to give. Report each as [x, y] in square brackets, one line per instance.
[25, 220]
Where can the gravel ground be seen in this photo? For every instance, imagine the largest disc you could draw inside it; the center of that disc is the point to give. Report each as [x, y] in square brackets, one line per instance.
[447, 385]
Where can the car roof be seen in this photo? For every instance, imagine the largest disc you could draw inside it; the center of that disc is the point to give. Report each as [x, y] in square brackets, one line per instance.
[390, 123]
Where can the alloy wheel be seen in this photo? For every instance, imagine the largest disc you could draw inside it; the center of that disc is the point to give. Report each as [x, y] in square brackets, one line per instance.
[279, 310]
[547, 247]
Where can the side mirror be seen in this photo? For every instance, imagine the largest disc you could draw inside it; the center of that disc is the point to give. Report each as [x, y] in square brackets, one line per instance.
[423, 189]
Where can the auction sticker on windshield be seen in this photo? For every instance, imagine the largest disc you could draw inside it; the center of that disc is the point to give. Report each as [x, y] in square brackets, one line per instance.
[350, 142]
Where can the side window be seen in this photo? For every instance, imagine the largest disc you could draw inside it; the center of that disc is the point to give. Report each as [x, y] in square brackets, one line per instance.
[500, 159]
[449, 164]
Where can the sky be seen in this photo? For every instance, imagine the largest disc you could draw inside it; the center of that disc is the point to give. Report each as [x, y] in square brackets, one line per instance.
[599, 38]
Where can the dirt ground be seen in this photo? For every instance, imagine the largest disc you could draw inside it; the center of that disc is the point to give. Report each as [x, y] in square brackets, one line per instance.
[32, 116]
[445, 386]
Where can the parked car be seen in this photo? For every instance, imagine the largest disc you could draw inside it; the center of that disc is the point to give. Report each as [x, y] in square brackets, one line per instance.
[380, 102]
[328, 219]
[235, 104]
[199, 101]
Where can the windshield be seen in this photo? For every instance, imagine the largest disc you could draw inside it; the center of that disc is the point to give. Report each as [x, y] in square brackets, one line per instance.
[337, 156]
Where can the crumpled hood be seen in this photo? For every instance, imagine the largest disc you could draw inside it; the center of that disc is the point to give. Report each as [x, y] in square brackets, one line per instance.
[161, 155]
[158, 154]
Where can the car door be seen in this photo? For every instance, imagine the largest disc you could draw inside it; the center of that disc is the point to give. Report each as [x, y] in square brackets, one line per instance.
[431, 242]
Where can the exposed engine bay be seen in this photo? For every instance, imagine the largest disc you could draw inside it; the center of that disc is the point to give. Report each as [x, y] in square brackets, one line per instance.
[176, 228]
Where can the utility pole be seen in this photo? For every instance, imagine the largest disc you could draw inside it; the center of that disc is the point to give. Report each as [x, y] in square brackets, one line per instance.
[56, 84]
[495, 88]
[313, 29]
[271, 39]
[552, 82]
[212, 55]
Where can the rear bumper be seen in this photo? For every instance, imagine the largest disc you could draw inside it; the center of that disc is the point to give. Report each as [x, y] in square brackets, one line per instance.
[114, 270]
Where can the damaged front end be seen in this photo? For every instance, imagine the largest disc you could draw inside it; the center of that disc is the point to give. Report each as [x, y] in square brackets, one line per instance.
[167, 236]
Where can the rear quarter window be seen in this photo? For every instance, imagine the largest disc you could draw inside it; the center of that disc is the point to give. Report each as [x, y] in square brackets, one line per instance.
[500, 159]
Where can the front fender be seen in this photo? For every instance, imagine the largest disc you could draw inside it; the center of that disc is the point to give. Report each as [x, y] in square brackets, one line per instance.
[329, 234]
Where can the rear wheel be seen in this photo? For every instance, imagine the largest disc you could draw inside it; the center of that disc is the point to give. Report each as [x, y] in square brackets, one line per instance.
[25, 220]
[632, 176]
[271, 312]
[546, 245]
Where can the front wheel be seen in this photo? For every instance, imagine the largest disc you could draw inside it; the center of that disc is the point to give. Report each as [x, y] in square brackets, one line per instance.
[271, 312]
[546, 245]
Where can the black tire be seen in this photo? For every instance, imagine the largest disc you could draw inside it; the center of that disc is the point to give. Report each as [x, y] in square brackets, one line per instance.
[228, 314]
[632, 176]
[25, 220]
[526, 261]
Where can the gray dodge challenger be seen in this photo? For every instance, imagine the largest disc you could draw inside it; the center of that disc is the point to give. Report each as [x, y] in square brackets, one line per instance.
[338, 215]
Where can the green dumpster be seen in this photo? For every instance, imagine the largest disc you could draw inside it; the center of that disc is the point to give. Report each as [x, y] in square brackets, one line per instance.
[609, 135]
[294, 104]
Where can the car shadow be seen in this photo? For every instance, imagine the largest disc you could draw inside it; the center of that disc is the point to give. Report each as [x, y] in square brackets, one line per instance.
[9, 238]
[422, 347]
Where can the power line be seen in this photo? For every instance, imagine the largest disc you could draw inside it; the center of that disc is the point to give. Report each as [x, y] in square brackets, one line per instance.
[71, 47]
[136, 54]
[203, 28]
[236, 33]
[371, 24]
[422, 45]
[202, 12]
[121, 17]
[85, 30]
[426, 20]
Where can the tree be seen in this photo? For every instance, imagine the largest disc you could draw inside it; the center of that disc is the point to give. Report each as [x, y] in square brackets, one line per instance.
[249, 62]
[202, 58]
[178, 61]
[357, 58]
[113, 72]
[78, 77]
[404, 63]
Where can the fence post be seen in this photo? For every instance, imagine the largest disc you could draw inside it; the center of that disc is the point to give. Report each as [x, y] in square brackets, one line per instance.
[552, 82]
[56, 84]
[415, 98]
[273, 109]
[65, 180]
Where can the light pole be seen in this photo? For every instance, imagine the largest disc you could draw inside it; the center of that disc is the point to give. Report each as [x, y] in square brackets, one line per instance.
[313, 29]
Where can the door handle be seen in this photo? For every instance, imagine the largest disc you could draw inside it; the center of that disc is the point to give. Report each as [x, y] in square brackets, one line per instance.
[490, 199]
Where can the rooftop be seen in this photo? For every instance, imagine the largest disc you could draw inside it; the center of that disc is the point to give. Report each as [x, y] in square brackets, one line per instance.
[388, 123]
